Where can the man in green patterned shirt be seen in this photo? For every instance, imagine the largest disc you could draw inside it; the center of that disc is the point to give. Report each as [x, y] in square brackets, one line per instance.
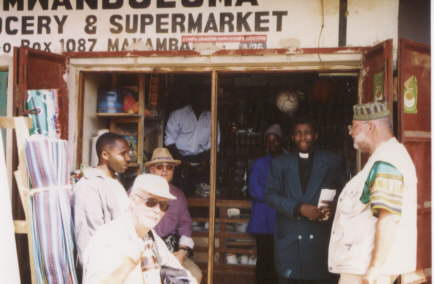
[373, 236]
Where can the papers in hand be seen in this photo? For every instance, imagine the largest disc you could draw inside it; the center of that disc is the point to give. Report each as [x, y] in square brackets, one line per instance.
[326, 195]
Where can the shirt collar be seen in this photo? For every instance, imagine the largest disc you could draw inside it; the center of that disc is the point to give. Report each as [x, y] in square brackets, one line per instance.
[384, 145]
[96, 172]
[303, 155]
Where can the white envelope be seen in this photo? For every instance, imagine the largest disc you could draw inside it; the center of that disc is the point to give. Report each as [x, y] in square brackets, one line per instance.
[326, 195]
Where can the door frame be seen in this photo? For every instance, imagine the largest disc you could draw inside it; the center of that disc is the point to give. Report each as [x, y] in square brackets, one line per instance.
[325, 60]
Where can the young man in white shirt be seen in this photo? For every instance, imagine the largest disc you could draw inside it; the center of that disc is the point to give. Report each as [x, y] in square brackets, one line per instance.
[99, 197]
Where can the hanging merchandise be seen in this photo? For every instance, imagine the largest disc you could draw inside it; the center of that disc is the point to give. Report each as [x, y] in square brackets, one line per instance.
[130, 101]
[44, 111]
[287, 102]
[110, 102]
[52, 226]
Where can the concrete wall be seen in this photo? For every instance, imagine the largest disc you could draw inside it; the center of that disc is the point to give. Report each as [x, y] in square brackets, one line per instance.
[371, 21]
[308, 23]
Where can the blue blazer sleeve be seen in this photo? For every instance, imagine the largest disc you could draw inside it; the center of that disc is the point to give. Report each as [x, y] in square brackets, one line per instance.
[275, 195]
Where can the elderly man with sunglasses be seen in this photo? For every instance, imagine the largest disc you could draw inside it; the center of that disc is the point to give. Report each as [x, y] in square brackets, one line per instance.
[175, 227]
[127, 249]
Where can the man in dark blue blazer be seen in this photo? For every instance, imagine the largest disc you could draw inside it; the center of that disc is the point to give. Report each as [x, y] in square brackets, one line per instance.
[293, 189]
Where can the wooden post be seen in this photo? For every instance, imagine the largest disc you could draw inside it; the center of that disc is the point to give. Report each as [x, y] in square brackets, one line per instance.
[213, 177]
[21, 126]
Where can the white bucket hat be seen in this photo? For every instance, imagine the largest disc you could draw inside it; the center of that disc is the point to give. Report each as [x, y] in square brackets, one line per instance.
[152, 184]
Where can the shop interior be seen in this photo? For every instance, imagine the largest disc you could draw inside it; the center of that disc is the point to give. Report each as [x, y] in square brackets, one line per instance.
[247, 104]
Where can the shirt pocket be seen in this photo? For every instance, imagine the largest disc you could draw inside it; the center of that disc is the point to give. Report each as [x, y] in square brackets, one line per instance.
[351, 204]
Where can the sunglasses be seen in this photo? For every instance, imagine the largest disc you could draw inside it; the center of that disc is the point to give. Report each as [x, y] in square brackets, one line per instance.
[152, 202]
[167, 167]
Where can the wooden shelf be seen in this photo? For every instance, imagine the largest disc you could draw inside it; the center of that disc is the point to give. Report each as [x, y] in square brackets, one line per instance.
[200, 219]
[248, 243]
[233, 235]
[228, 250]
[234, 250]
[116, 115]
[227, 240]
[223, 267]
[234, 220]
[204, 202]
[239, 267]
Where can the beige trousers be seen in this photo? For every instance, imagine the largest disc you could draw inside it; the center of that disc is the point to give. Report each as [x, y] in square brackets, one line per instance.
[347, 278]
[193, 268]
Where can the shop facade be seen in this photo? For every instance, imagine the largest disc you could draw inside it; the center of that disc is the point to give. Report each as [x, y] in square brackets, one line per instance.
[255, 58]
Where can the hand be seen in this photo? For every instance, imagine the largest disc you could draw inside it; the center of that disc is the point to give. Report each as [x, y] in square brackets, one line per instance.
[131, 262]
[180, 255]
[328, 210]
[311, 212]
[132, 259]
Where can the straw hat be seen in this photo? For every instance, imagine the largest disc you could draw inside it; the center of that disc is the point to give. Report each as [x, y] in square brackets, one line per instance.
[161, 155]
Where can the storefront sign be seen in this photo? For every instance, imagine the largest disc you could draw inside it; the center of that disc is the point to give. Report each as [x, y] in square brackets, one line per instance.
[410, 95]
[118, 25]
[378, 88]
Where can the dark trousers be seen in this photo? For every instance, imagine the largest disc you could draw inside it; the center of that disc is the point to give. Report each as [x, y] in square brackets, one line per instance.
[265, 269]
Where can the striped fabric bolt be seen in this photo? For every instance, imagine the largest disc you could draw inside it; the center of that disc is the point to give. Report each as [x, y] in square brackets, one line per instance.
[48, 166]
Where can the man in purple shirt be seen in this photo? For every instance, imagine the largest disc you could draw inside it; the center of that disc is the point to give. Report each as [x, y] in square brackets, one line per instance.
[176, 223]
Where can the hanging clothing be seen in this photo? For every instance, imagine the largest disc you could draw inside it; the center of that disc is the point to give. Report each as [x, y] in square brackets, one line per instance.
[191, 135]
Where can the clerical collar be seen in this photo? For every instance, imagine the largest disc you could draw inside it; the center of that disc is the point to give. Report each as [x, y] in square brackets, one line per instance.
[303, 155]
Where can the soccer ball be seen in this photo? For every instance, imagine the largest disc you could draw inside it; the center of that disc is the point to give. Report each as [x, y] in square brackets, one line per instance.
[287, 102]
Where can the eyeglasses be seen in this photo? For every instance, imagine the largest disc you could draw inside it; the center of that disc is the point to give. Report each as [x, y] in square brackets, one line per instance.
[351, 127]
[167, 167]
[152, 202]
